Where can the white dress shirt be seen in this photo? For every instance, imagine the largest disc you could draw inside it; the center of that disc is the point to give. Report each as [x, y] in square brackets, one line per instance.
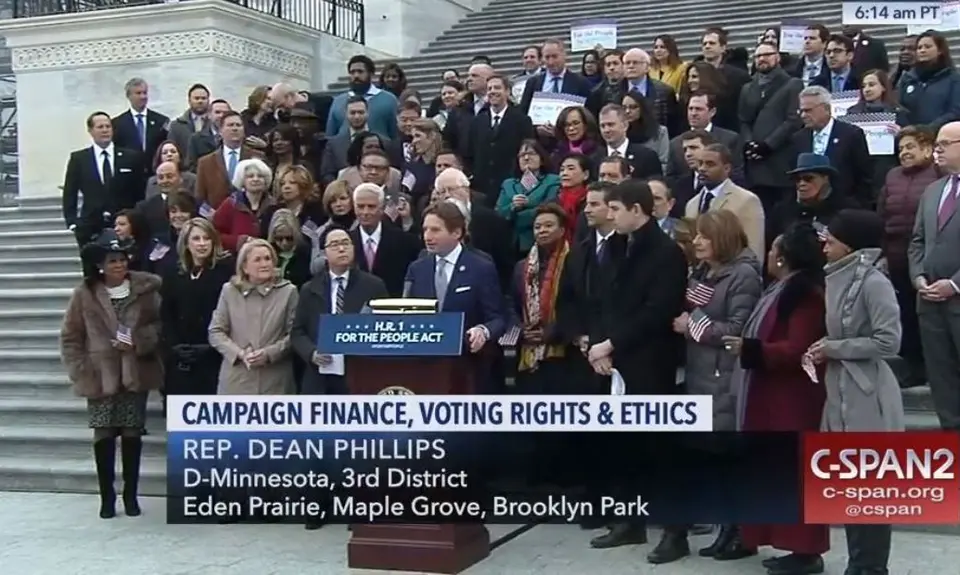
[333, 288]
[620, 150]
[365, 238]
[603, 239]
[496, 117]
[111, 154]
[226, 156]
[451, 259]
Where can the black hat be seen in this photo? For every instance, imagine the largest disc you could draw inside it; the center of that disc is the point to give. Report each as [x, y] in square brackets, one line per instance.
[106, 243]
[808, 163]
[858, 229]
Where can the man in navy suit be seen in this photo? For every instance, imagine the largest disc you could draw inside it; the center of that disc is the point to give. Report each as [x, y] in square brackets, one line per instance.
[139, 128]
[841, 76]
[459, 279]
[556, 78]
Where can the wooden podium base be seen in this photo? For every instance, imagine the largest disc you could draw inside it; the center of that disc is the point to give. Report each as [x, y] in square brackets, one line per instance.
[423, 548]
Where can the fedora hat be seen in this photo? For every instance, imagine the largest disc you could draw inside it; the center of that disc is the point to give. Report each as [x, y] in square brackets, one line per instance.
[808, 163]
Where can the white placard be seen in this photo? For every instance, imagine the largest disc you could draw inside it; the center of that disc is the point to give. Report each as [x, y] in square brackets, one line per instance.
[880, 129]
[517, 90]
[545, 107]
[589, 34]
[841, 102]
[949, 21]
[892, 13]
[791, 36]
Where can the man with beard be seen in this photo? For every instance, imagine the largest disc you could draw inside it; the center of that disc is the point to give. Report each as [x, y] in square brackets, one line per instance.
[381, 104]
[906, 58]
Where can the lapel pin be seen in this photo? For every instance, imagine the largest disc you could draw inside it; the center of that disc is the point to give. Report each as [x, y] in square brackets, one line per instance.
[152, 123]
[836, 140]
[864, 42]
[910, 89]
[463, 268]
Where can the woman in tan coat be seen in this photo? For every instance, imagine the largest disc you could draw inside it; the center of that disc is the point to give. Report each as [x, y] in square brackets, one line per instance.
[108, 344]
[251, 326]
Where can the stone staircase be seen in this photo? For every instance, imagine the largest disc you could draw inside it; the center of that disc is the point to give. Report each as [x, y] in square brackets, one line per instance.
[44, 441]
[505, 27]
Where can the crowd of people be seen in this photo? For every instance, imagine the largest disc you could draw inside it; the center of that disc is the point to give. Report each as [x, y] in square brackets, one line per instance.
[704, 227]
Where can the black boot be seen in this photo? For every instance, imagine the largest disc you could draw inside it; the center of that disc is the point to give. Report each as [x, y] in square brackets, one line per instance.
[726, 534]
[130, 450]
[105, 456]
[734, 549]
[673, 546]
[621, 534]
[796, 564]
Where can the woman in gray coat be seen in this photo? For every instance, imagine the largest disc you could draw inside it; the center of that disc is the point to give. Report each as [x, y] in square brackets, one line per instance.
[863, 329]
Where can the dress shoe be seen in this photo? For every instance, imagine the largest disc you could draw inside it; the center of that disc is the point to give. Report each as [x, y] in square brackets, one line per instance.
[672, 547]
[797, 564]
[773, 562]
[313, 525]
[734, 550]
[620, 534]
[726, 534]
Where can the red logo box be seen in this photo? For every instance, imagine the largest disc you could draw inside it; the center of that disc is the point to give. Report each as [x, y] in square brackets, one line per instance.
[882, 478]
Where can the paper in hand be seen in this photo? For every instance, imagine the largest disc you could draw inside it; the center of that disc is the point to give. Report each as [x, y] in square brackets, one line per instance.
[809, 368]
[124, 335]
[206, 211]
[158, 252]
[617, 385]
[409, 181]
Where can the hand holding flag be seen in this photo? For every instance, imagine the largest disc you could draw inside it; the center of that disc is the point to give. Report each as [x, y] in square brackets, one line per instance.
[699, 324]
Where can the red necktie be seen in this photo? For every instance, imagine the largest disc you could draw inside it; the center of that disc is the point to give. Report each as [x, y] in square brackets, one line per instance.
[949, 205]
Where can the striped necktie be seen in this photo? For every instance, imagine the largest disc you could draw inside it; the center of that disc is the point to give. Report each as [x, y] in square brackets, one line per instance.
[341, 288]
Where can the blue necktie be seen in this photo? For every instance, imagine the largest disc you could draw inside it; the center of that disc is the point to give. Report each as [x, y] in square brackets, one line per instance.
[556, 84]
[232, 166]
[142, 131]
[838, 83]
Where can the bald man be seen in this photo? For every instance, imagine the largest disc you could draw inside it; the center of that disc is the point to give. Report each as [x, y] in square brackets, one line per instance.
[458, 122]
[556, 77]
[934, 260]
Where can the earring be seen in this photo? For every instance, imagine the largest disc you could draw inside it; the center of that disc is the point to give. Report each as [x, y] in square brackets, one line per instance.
[779, 263]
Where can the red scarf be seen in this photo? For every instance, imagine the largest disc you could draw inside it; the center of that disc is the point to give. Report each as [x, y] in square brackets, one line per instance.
[570, 200]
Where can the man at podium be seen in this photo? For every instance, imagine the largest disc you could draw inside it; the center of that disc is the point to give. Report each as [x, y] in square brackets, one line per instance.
[459, 279]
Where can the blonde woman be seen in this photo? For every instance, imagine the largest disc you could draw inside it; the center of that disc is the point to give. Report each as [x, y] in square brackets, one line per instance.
[189, 296]
[292, 247]
[251, 325]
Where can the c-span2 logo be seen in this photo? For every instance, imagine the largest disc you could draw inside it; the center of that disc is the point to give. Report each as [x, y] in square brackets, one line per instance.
[882, 478]
[395, 390]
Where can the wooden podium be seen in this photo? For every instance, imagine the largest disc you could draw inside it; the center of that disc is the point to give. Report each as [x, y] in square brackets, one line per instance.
[447, 548]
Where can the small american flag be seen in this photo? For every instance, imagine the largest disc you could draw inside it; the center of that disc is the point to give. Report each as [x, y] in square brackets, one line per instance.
[528, 181]
[809, 368]
[206, 211]
[124, 335]
[158, 252]
[699, 324]
[699, 294]
[821, 231]
[510, 338]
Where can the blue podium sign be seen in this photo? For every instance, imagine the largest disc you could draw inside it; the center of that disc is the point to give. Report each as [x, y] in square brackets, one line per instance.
[429, 334]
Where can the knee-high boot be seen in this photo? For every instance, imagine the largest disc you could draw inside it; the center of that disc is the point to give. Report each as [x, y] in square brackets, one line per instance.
[105, 455]
[130, 450]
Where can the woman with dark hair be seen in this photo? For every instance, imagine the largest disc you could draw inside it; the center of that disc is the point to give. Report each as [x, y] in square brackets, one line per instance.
[411, 95]
[134, 235]
[591, 67]
[169, 152]
[521, 196]
[576, 132]
[575, 173]
[450, 77]
[644, 127]
[181, 208]
[258, 117]
[665, 64]
[362, 143]
[393, 79]
[284, 149]
[878, 96]
[775, 392]
[109, 347]
[702, 76]
[930, 90]
[450, 93]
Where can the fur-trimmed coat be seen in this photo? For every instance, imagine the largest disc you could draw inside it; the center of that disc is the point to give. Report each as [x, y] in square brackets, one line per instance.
[95, 368]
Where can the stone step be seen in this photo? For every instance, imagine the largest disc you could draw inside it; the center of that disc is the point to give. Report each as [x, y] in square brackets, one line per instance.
[74, 475]
[37, 299]
[60, 443]
[34, 238]
[32, 413]
[60, 248]
[40, 280]
[33, 224]
[922, 421]
[43, 339]
[50, 385]
[19, 265]
[19, 317]
[52, 210]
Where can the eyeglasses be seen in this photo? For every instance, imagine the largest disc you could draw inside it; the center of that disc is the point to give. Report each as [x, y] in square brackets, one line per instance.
[374, 167]
[835, 51]
[347, 244]
[941, 144]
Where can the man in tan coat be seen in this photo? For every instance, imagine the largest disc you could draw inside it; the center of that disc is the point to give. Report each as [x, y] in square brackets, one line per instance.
[717, 192]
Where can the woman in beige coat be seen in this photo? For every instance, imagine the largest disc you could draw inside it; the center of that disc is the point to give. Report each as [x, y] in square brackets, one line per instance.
[251, 326]
[108, 344]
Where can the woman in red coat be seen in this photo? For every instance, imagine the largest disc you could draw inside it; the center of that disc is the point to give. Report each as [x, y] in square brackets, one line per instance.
[776, 394]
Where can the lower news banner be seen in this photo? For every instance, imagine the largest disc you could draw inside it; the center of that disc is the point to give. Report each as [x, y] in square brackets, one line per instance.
[228, 463]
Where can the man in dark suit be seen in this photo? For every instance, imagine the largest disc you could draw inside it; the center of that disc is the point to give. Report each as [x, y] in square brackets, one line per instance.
[456, 130]
[768, 120]
[139, 128]
[494, 140]
[207, 139]
[334, 156]
[845, 145]
[460, 280]
[688, 184]
[840, 76]
[644, 162]
[636, 78]
[813, 64]
[487, 231]
[635, 331]
[701, 108]
[714, 46]
[869, 53]
[611, 89]
[109, 178]
[381, 247]
[154, 209]
[556, 78]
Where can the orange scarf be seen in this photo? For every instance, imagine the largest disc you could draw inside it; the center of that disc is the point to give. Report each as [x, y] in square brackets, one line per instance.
[539, 305]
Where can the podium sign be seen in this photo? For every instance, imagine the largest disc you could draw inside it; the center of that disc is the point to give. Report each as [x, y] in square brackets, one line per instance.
[424, 335]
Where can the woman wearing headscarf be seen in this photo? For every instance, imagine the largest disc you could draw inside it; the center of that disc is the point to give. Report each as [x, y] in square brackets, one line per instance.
[775, 393]
[109, 347]
[863, 329]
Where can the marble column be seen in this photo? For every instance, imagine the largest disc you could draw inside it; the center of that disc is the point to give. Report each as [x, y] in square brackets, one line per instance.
[68, 66]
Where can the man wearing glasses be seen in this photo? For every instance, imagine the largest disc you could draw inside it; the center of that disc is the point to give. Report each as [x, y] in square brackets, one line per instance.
[768, 119]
